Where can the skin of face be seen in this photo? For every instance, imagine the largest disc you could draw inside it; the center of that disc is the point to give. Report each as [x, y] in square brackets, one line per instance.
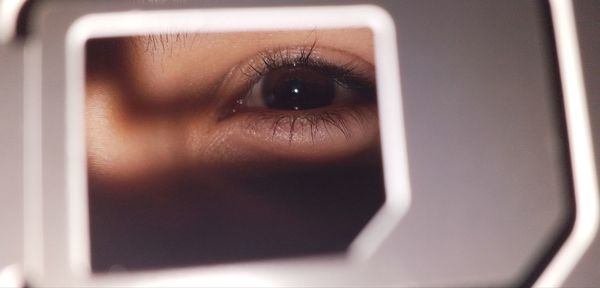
[164, 73]
[169, 160]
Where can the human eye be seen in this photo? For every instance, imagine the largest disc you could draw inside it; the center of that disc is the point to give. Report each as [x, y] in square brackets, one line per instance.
[300, 97]
[299, 79]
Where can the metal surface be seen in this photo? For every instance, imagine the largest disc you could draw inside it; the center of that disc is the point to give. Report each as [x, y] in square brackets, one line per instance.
[484, 150]
[587, 14]
[11, 141]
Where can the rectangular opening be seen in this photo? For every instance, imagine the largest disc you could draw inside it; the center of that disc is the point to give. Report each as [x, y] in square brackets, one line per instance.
[229, 146]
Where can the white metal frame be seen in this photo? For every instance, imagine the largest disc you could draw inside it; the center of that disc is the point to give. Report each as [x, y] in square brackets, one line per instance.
[581, 148]
[220, 20]
[391, 125]
[9, 14]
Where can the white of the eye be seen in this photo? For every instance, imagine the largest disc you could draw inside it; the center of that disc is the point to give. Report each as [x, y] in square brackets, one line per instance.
[254, 97]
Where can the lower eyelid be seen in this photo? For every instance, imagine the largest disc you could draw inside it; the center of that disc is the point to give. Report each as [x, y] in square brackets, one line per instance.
[298, 125]
[321, 135]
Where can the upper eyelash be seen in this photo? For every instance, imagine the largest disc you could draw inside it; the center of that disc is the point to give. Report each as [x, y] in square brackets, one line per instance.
[280, 57]
[347, 75]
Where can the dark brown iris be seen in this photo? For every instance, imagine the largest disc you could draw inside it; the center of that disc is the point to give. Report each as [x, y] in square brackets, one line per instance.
[297, 89]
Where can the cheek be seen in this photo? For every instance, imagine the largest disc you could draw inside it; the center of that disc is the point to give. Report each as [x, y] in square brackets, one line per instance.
[125, 146]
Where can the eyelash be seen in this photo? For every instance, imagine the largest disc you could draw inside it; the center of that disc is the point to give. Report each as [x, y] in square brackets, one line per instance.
[348, 76]
[338, 118]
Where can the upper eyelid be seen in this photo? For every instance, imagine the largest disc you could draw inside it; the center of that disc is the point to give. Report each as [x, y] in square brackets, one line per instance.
[239, 80]
[166, 43]
[308, 56]
[324, 52]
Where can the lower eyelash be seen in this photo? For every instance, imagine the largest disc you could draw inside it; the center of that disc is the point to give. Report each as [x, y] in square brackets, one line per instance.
[311, 123]
[330, 120]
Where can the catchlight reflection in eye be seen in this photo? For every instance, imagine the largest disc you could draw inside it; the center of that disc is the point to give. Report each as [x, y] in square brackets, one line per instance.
[302, 78]
[224, 147]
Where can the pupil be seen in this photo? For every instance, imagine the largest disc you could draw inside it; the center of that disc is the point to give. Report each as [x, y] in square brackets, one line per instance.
[297, 89]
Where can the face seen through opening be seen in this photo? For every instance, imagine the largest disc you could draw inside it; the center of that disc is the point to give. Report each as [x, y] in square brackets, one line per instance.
[219, 147]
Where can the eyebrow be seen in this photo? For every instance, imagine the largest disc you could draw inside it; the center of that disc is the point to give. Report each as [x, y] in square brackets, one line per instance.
[153, 42]
[162, 42]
